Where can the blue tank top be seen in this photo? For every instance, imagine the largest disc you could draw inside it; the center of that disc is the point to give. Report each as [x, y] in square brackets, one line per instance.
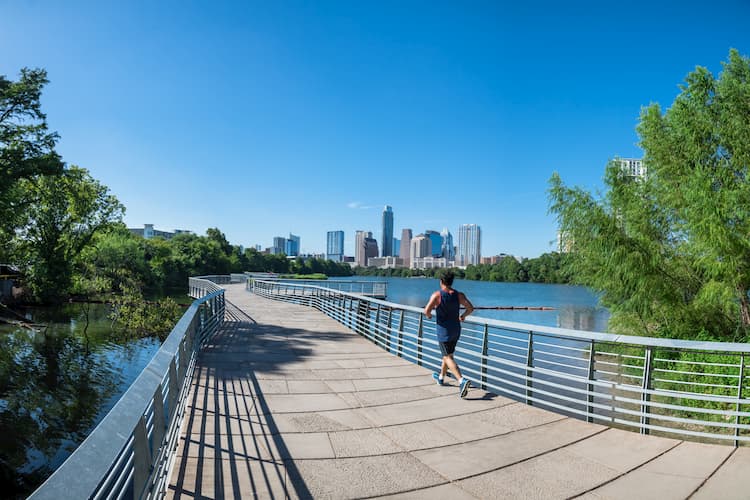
[448, 326]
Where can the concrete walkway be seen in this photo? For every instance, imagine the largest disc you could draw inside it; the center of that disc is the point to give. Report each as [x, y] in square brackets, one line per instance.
[287, 403]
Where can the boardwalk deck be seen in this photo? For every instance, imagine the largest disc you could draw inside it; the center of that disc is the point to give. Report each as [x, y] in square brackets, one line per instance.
[286, 402]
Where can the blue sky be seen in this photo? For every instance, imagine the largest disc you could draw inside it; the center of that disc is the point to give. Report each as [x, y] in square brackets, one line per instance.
[265, 118]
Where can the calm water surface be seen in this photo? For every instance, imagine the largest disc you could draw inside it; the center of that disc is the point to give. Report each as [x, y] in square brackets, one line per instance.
[575, 306]
[56, 384]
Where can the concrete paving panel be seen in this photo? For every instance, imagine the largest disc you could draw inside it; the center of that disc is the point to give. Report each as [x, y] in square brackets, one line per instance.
[419, 436]
[308, 387]
[467, 459]
[365, 476]
[377, 384]
[363, 442]
[235, 479]
[558, 474]
[442, 492]
[304, 446]
[284, 403]
[731, 481]
[495, 421]
[622, 450]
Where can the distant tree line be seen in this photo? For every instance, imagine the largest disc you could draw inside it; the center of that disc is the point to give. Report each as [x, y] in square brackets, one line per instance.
[547, 268]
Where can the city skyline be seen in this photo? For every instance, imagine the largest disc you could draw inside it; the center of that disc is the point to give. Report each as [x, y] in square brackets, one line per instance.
[450, 114]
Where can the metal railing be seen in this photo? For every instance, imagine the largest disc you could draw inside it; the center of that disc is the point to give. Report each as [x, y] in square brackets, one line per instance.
[375, 289]
[690, 389]
[130, 453]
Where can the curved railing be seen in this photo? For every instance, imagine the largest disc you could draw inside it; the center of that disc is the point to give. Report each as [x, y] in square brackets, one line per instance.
[669, 387]
[130, 453]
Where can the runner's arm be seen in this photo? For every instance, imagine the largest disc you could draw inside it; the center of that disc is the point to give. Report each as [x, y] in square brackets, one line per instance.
[432, 304]
[469, 307]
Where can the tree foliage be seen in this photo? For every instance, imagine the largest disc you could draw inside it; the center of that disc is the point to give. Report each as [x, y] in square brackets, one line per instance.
[67, 212]
[27, 147]
[670, 252]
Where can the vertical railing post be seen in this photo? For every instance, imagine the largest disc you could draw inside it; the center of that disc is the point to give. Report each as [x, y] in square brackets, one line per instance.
[590, 386]
[740, 384]
[400, 350]
[529, 366]
[388, 330]
[141, 457]
[420, 332]
[376, 328]
[645, 387]
[160, 422]
[485, 353]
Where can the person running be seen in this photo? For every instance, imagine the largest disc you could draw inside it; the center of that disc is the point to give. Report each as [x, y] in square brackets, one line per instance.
[446, 302]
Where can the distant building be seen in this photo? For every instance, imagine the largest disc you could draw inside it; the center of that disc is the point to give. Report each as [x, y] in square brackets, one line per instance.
[149, 232]
[371, 247]
[385, 262]
[335, 246]
[359, 247]
[633, 167]
[421, 247]
[431, 263]
[437, 242]
[495, 259]
[396, 247]
[291, 247]
[469, 245]
[564, 242]
[279, 245]
[448, 250]
[387, 236]
[405, 247]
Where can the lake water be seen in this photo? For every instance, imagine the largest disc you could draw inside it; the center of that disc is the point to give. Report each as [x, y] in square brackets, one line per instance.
[56, 384]
[575, 307]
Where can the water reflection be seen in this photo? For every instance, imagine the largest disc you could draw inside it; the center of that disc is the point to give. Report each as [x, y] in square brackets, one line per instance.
[55, 386]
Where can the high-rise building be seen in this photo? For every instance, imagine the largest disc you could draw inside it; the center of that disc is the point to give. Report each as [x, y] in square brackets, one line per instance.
[447, 250]
[359, 247]
[421, 246]
[396, 247]
[335, 246]
[387, 237]
[365, 246]
[633, 167]
[279, 245]
[292, 245]
[405, 247]
[437, 242]
[371, 247]
[469, 244]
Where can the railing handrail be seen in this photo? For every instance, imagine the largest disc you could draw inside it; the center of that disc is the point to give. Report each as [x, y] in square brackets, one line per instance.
[690, 388]
[130, 450]
[698, 345]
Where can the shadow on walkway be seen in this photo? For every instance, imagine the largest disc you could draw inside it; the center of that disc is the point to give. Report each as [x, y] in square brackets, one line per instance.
[230, 445]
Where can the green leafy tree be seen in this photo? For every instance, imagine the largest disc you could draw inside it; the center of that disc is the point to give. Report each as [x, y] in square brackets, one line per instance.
[670, 253]
[27, 148]
[69, 210]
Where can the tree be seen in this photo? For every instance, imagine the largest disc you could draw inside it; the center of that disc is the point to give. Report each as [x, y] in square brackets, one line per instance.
[27, 148]
[69, 210]
[670, 252]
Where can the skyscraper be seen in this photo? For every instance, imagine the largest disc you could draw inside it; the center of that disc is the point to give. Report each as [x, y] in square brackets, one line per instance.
[371, 248]
[335, 246]
[405, 247]
[633, 168]
[447, 250]
[421, 246]
[437, 242]
[387, 237]
[292, 245]
[469, 244]
[279, 245]
[359, 247]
